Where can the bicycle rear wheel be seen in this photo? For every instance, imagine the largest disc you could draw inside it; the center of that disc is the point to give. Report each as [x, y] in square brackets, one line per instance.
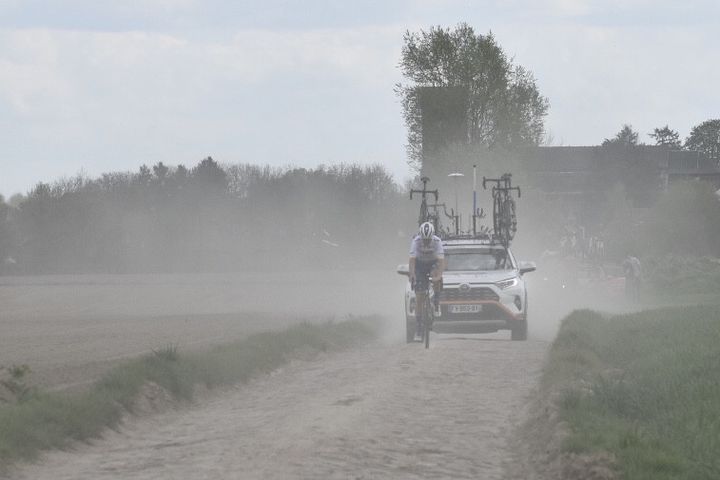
[497, 213]
[423, 213]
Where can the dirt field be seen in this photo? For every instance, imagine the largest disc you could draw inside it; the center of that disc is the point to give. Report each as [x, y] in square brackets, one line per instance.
[70, 329]
[377, 412]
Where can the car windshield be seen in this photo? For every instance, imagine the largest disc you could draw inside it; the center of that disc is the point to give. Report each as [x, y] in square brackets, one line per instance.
[477, 260]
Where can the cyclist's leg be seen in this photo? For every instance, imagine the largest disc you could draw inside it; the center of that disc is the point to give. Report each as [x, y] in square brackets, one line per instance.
[437, 284]
[427, 327]
[636, 289]
[437, 289]
[422, 270]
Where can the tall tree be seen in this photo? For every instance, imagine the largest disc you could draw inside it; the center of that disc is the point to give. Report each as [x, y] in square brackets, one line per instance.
[208, 173]
[705, 138]
[500, 104]
[161, 171]
[144, 175]
[626, 137]
[666, 137]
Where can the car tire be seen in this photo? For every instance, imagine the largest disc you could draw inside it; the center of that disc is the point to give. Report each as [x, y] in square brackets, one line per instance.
[519, 331]
[409, 331]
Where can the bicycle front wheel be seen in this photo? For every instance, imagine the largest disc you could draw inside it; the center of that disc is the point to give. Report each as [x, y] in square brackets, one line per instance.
[428, 320]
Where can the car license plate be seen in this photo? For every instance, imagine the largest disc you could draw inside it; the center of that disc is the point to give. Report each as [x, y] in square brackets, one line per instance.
[465, 308]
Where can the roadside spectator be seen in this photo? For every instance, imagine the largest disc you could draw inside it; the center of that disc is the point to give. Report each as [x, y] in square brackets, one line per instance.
[633, 276]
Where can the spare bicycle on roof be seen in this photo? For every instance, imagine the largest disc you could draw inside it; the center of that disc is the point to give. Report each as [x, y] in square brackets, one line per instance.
[504, 216]
[504, 225]
[425, 215]
[430, 212]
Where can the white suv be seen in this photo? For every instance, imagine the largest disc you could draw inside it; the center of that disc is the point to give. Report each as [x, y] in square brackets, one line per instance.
[483, 291]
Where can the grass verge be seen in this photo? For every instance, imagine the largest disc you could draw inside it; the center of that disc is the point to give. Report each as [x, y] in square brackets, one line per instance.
[54, 420]
[675, 276]
[644, 387]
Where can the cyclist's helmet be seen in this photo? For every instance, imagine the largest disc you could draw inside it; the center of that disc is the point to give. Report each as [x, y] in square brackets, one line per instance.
[427, 231]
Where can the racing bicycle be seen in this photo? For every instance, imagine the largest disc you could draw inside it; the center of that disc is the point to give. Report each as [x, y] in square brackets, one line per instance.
[504, 216]
[425, 215]
[425, 323]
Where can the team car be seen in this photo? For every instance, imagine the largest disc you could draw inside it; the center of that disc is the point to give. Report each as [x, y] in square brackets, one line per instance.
[483, 290]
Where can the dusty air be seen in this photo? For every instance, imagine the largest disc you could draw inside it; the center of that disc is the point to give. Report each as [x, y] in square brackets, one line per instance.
[245, 241]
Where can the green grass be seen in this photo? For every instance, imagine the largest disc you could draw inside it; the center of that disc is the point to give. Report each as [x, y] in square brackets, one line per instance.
[674, 276]
[645, 387]
[45, 420]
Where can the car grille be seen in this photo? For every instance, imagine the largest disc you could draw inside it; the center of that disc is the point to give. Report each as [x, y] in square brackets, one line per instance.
[472, 294]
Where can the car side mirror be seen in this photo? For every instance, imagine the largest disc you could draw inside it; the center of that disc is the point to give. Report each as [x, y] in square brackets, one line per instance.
[403, 269]
[526, 267]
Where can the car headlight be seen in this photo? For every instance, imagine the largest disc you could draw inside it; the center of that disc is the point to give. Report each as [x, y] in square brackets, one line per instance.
[505, 284]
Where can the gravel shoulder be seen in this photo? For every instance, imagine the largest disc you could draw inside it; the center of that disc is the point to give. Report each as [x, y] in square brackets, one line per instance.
[378, 412]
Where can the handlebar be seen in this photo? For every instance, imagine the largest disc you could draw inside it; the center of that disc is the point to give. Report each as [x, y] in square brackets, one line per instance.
[424, 190]
[502, 184]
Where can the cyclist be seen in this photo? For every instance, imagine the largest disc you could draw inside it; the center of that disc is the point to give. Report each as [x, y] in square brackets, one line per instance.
[633, 276]
[427, 257]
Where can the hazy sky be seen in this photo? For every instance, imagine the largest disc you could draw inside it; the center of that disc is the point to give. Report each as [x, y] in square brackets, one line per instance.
[100, 85]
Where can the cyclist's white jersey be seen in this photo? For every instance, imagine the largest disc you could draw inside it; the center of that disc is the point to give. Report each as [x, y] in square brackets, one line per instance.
[426, 253]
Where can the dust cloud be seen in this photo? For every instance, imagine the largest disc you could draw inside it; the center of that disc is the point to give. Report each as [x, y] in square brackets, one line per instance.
[108, 269]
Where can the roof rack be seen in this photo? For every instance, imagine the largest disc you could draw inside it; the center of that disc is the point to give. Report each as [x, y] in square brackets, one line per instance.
[468, 236]
[484, 238]
[504, 217]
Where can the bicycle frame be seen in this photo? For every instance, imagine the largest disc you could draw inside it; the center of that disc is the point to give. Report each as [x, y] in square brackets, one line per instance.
[424, 212]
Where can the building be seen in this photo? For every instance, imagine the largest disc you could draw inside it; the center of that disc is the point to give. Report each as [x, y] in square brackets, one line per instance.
[584, 171]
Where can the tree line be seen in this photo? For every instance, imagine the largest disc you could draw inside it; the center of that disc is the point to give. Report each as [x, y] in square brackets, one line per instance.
[210, 217]
[704, 137]
[465, 102]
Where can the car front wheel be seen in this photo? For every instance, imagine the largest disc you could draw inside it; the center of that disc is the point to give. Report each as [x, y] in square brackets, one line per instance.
[519, 331]
[520, 328]
[410, 330]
